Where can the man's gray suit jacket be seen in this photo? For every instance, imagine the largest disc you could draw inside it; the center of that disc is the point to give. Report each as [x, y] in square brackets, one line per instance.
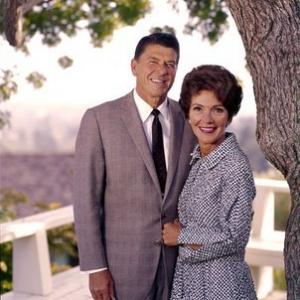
[119, 209]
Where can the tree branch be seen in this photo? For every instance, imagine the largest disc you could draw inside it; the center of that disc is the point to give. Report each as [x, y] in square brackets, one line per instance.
[13, 19]
[28, 4]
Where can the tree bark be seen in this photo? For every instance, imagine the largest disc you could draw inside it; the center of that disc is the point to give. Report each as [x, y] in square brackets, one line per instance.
[13, 11]
[270, 31]
[12, 18]
[28, 4]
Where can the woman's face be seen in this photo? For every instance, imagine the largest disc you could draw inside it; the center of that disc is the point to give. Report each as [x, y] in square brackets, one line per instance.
[208, 118]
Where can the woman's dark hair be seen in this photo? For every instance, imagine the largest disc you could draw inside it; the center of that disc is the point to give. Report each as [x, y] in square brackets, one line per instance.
[158, 38]
[212, 78]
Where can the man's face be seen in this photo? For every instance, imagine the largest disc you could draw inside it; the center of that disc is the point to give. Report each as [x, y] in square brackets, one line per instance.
[155, 72]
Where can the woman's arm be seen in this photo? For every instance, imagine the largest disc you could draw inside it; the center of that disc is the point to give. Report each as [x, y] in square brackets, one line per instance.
[232, 234]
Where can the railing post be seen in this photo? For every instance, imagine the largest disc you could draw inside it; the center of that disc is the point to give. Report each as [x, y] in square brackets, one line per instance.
[31, 263]
[262, 229]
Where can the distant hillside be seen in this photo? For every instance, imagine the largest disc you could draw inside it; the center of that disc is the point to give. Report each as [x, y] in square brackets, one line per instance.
[42, 178]
[244, 128]
[41, 131]
[54, 131]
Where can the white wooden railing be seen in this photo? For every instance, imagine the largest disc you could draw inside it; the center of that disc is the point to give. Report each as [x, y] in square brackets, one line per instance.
[265, 248]
[30, 248]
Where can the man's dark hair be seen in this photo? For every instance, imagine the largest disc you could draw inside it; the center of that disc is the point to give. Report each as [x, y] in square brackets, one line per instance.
[158, 38]
[212, 78]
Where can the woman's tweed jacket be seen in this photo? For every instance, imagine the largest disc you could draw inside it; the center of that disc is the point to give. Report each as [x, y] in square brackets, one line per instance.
[215, 210]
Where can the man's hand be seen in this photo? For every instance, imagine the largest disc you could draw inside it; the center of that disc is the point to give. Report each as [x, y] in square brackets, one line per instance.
[171, 232]
[101, 285]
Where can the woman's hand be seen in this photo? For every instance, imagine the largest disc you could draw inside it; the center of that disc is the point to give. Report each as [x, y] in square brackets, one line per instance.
[194, 246]
[171, 232]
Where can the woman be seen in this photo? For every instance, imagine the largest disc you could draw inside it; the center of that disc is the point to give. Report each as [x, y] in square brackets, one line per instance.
[215, 205]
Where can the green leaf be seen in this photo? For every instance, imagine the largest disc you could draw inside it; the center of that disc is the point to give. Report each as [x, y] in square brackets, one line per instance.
[209, 17]
[65, 62]
[36, 79]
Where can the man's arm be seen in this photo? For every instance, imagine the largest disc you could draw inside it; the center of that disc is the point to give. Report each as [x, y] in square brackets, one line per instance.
[89, 186]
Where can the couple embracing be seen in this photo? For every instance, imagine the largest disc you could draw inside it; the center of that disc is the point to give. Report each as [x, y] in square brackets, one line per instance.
[162, 193]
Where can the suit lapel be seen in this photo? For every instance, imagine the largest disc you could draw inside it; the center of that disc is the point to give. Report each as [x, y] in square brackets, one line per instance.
[177, 126]
[133, 123]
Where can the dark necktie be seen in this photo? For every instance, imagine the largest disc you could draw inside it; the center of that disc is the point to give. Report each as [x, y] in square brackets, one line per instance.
[158, 152]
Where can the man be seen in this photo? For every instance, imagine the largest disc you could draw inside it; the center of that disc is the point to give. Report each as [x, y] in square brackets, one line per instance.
[131, 164]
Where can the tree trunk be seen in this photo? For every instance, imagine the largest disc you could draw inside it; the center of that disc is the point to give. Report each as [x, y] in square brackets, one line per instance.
[270, 31]
[13, 11]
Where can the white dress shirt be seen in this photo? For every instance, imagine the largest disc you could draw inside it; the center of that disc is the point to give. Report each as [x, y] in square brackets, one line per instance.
[144, 110]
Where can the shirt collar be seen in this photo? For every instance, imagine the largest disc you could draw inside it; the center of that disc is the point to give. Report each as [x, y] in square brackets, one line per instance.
[217, 154]
[145, 109]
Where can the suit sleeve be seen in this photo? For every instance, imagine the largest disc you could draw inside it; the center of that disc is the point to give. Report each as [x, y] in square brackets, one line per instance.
[232, 235]
[89, 185]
